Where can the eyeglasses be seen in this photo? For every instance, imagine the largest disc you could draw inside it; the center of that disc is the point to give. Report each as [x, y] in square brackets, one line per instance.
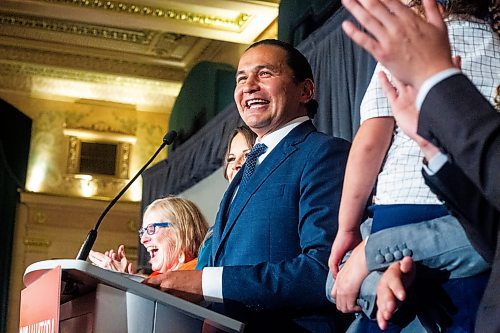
[150, 229]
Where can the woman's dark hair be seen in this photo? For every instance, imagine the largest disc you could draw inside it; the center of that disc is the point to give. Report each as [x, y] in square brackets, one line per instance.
[249, 136]
[299, 65]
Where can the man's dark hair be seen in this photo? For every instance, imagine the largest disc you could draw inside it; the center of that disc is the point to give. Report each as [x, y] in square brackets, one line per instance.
[299, 65]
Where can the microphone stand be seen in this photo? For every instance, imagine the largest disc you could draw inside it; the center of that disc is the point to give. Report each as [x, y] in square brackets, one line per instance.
[83, 254]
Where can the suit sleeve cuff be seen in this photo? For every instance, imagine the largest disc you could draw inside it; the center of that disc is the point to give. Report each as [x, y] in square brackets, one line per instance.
[431, 82]
[211, 284]
[435, 163]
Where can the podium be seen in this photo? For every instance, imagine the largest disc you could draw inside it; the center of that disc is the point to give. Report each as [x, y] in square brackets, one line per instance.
[93, 299]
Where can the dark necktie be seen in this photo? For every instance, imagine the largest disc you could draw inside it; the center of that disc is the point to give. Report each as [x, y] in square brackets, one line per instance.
[251, 162]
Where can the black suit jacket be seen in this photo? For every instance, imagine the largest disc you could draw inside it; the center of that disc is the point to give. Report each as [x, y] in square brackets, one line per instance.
[481, 222]
[479, 218]
[461, 122]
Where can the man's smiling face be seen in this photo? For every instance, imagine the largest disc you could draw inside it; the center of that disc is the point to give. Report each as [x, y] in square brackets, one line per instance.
[266, 94]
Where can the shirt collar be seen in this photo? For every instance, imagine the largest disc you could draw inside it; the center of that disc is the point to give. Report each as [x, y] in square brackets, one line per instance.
[272, 139]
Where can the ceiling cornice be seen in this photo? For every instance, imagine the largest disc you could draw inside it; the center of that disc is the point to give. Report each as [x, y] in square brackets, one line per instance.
[233, 23]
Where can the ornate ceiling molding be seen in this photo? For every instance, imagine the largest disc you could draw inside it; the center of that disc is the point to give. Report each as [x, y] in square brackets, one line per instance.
[237, 21]
[132, 52]
[90, 63]
[94, 31]
[60, 73]
[48, 82]
[220, 22]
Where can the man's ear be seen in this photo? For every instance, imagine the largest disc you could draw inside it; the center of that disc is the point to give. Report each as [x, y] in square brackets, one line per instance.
[307, 91]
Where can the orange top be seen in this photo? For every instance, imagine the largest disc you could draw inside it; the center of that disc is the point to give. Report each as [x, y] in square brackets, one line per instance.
[188, 266]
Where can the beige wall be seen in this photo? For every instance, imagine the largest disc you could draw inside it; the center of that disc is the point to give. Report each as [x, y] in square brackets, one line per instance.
[47, 168]
[54, 222]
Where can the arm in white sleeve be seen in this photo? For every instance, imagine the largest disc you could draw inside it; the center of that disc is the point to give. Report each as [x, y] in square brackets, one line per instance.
[211, 284]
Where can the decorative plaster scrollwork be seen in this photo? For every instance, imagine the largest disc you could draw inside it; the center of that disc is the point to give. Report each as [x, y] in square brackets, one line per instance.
[218, 22]
[81, 62]
[40, 217]
[37, 242]
[133, 226]
[77, 136]
[123, 35]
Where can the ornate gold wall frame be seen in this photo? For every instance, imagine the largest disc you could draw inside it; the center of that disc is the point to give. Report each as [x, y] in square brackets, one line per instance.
[123, 144]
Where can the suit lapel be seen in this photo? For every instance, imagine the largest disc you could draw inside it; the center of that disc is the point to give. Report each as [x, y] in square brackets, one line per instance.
[224, 207]
[279, 154]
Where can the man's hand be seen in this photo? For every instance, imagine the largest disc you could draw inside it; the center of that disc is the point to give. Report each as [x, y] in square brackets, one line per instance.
[409, 47]
[183, 284]
[349, 281]
[402, 100]
[392, 289]
[344, 242]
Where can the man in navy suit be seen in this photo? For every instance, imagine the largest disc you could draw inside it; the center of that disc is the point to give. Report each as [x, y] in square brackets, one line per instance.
[274, 229]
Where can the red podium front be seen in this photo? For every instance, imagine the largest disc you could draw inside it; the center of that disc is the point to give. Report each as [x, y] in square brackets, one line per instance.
[40, 304]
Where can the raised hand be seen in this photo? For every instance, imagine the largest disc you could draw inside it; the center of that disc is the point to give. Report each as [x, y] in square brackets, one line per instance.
[402, 100]
[409, 47]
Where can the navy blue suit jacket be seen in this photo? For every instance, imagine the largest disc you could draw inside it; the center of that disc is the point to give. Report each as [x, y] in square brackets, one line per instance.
[274, 238]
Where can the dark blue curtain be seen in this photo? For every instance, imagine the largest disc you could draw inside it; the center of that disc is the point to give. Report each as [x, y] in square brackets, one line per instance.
[342, 71]
[298, 18]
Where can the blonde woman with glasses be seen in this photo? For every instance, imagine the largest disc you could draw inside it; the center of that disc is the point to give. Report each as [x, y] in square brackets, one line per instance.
[172, 232]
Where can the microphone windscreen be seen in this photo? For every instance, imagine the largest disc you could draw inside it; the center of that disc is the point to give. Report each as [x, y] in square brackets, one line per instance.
[169, 137]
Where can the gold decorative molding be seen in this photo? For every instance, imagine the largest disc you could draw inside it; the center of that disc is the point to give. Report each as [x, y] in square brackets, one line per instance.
[124, 160]
[219, 22]
[99, 187]
[39, 217]
[39, 80]
[77, 136]
[100, 132]
[75, 65]
[166, 43]
[133, 226]
[73, 153]
[38, 242]
[95, 31]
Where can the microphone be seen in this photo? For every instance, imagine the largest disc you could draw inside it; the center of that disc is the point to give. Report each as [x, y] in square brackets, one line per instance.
[91, 237]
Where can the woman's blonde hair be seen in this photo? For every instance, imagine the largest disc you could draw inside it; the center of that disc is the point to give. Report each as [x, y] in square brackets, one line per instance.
[187, 221]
